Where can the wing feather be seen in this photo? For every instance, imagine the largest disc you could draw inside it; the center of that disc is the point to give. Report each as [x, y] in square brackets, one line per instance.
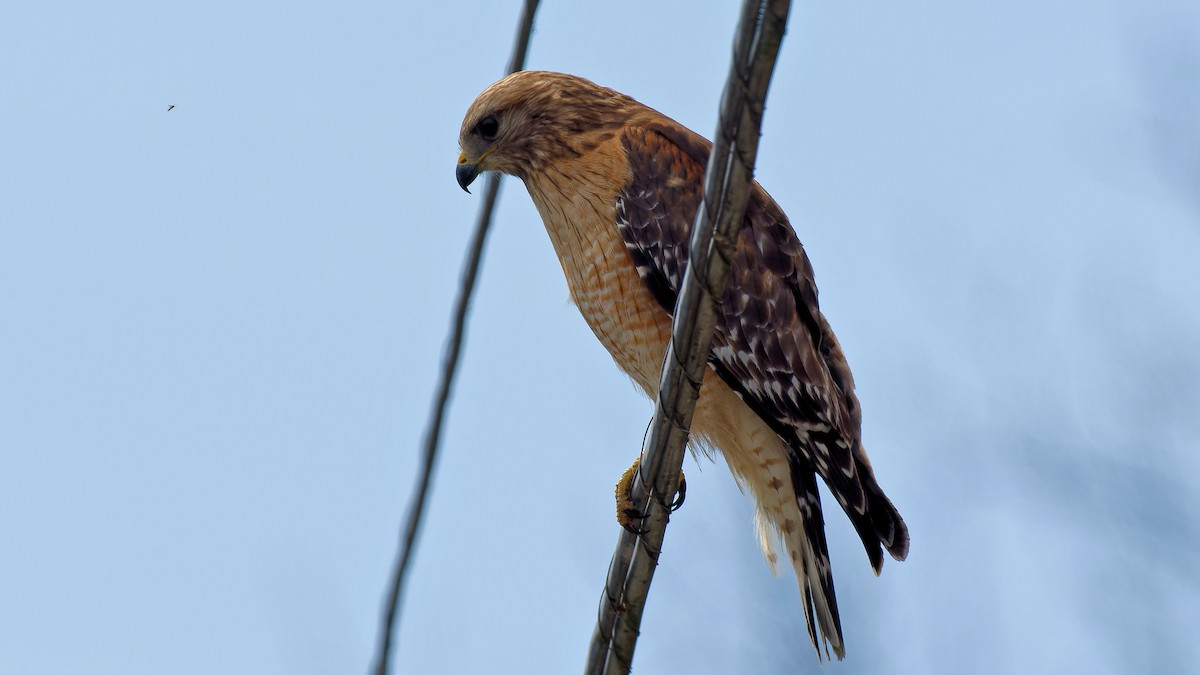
[772, 345]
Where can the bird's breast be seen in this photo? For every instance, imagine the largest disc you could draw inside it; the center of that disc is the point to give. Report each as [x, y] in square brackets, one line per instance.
[580, 217]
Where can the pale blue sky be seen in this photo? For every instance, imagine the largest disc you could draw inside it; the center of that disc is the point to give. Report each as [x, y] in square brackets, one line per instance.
[220, 327]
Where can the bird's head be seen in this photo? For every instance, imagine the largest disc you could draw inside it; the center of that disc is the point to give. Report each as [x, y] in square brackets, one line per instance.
[530, 118]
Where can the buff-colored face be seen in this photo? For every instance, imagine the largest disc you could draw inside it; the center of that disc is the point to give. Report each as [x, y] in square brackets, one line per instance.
[530, 117]
[496, 132]
[479, 141]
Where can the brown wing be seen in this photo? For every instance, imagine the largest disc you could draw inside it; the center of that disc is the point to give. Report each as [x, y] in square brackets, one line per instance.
[772, 345]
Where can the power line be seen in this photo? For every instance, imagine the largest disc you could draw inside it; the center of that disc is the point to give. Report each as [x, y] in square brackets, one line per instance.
[727, 184]
[441, 400]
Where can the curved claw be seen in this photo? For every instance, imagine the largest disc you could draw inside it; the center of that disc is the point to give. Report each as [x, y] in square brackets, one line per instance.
[680, 495]
[627, 514]
[636, 531]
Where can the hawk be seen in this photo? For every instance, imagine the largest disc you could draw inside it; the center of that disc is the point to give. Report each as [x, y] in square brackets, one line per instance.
[618, 185]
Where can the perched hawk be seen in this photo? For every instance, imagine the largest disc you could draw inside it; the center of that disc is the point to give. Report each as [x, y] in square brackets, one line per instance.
[618, 186]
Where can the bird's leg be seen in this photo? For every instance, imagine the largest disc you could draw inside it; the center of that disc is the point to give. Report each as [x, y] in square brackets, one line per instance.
[627, 513]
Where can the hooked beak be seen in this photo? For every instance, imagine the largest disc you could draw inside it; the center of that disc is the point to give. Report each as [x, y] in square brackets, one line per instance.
[466, 171]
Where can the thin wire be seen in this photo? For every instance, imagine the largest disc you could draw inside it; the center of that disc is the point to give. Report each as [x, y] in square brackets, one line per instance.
[433, 431]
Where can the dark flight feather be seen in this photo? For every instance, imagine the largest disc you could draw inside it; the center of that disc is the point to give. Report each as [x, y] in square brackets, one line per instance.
[772, 346]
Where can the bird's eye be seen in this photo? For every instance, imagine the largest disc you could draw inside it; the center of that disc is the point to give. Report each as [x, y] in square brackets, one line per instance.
[488, 127]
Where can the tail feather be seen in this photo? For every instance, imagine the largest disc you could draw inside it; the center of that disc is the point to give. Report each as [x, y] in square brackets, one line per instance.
[779, 468]
[875, 519]
[881, 524]
[886, 520]
[810, 557]
[879, 527]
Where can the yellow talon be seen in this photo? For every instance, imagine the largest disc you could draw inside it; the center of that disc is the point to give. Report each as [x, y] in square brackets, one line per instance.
[624, 494]
[627, 515]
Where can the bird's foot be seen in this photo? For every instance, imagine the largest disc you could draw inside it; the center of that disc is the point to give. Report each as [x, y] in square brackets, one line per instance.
[680, 495]
[629, 516]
